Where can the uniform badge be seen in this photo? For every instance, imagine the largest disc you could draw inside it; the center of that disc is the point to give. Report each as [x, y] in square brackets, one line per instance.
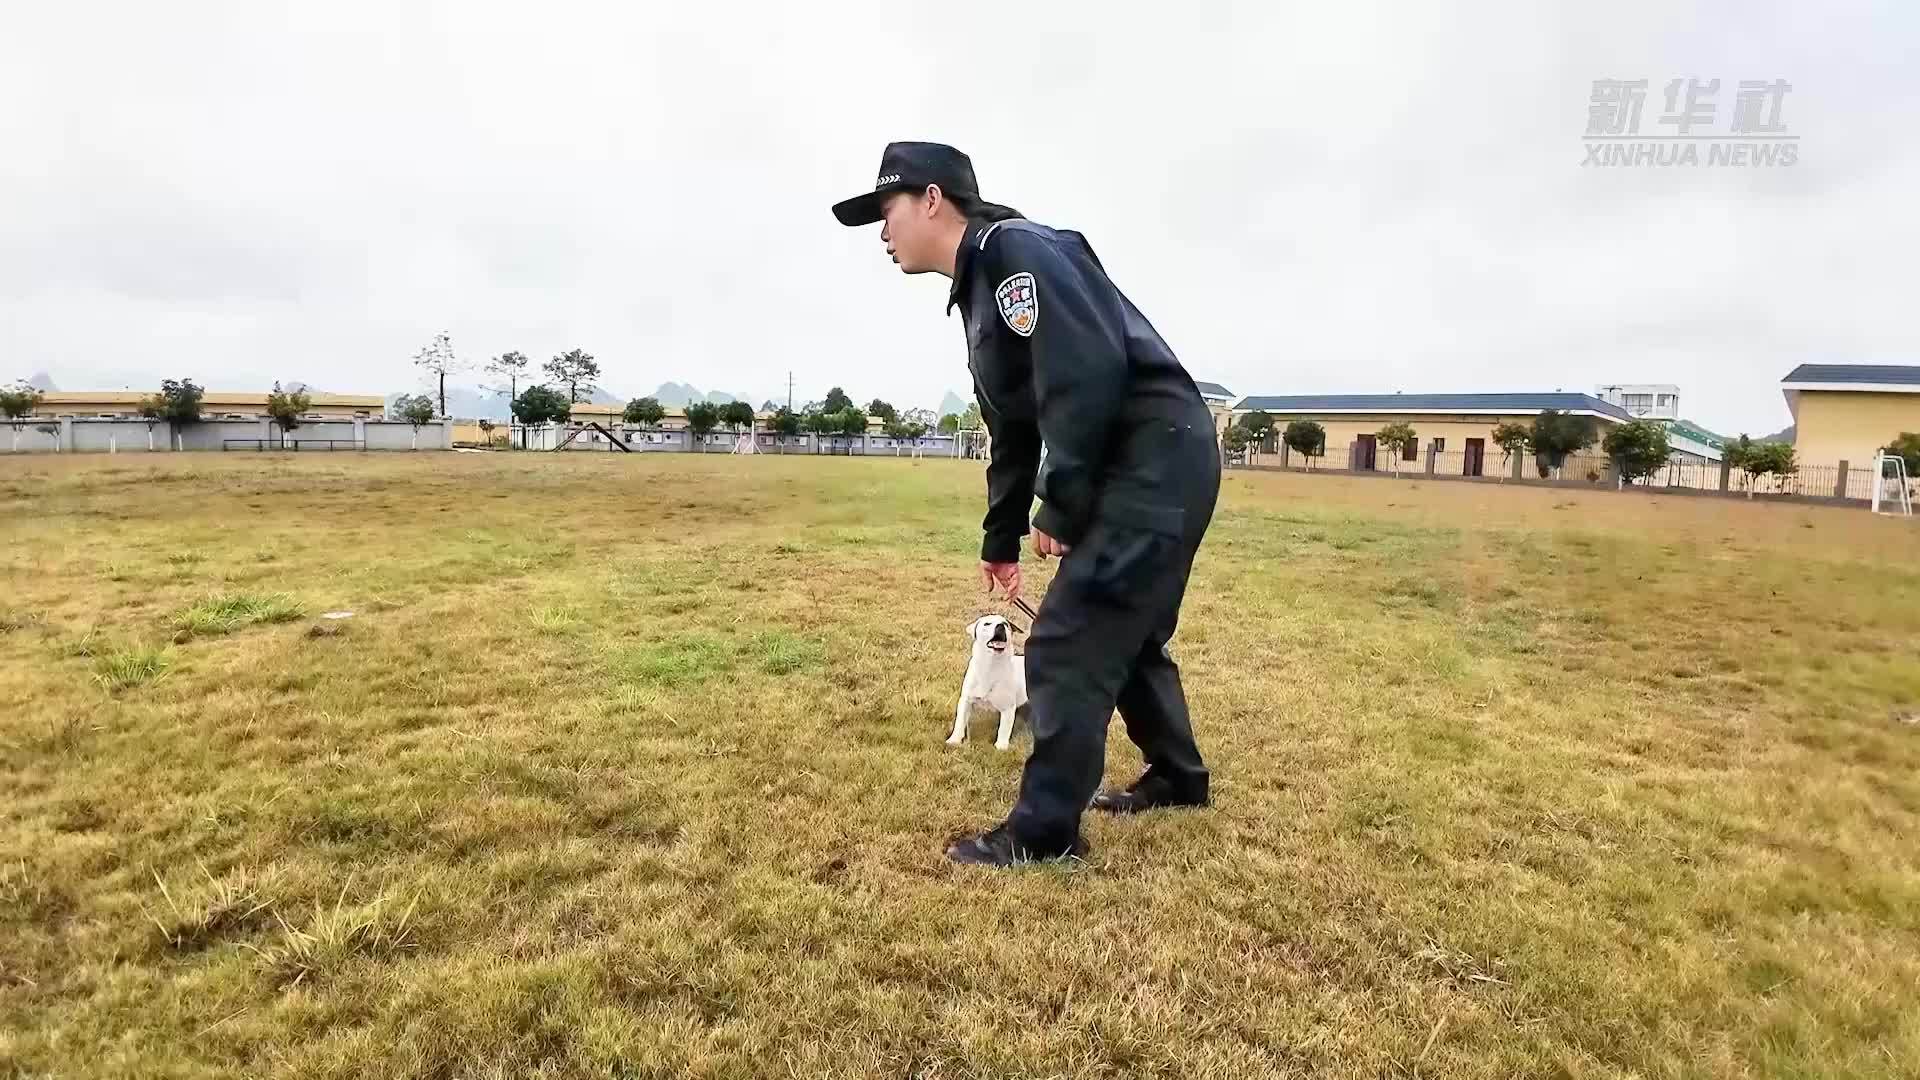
[1019, 303]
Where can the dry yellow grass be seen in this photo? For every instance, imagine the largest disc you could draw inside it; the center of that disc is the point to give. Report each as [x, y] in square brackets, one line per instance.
[632, 766]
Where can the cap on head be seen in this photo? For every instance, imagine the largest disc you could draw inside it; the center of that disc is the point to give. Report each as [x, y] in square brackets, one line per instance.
[910, 166]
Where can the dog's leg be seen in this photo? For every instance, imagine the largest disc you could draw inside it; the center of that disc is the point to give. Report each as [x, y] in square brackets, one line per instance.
[1006, 730]
[959, 723]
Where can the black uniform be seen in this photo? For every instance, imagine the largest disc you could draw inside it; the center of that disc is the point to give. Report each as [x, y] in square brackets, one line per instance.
[1063, 361]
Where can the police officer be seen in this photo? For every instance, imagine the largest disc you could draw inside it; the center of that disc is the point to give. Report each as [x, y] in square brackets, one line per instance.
[1062, 360]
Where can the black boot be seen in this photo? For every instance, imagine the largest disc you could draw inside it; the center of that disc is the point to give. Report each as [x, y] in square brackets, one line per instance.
[997, 847]
[1147, 793]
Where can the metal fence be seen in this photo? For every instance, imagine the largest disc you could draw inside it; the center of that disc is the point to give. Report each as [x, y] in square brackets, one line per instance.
[1810, 481]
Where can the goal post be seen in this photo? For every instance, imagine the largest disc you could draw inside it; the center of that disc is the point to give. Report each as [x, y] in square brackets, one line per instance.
[1891, 490]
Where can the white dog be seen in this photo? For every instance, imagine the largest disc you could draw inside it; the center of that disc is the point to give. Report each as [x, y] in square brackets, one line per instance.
[996, 679]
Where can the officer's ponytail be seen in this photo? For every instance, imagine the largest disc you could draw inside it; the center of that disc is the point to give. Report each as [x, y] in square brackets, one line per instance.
[977, 209]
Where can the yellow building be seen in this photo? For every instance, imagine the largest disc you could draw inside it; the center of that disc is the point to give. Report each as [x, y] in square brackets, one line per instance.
[1458, 426]
[213, 405]
[1847, 412]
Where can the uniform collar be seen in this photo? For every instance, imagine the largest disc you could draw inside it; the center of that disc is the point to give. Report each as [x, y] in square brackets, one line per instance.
[962, 261]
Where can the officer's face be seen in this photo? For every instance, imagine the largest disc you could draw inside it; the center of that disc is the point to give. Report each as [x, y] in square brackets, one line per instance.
[907, 230]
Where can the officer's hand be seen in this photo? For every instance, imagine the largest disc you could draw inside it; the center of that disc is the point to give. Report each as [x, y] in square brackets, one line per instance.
[1045, 545]
[1005, 575]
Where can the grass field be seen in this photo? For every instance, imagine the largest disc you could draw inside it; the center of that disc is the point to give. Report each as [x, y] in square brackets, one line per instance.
[632, 767]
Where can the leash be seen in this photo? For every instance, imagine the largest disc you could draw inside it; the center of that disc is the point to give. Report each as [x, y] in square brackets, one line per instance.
[1021, 603]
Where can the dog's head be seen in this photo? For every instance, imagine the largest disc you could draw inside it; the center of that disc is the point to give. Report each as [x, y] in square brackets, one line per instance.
[990, 632]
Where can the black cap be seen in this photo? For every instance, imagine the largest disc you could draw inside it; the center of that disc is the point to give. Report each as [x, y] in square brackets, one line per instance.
[910, 166]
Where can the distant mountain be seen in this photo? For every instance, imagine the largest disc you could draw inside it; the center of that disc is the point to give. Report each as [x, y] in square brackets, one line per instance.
[952, 404]
[675, 395]
[1779, 436]
[42, 382]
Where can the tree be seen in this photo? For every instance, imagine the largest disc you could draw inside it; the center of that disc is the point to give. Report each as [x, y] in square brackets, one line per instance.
[540, 404]
[837, 400]
[737, 415]
[1556, 434]
[1258, 424]
[1237, 438]
[881, 409]
[970, 420]
[415, 409]
[1397, 437]
[905, 430]
[1513, 440]
[786, 424]
[1907, 448]
[644, 411]
[1757, 459]
[438, 361]
[576, 370]
[950, 424]
[178, 403]
[1638, 449]
[486, 431]
[852, 421]
[286, 409]
[702, 417]
[19, 401]
[1306, 438]
[513, 365]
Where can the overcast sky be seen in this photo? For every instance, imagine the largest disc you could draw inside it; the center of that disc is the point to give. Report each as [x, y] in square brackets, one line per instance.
[1357, 197]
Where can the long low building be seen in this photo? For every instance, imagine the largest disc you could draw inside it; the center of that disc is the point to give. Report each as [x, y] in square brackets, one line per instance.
[1446, 423]
[214, 405]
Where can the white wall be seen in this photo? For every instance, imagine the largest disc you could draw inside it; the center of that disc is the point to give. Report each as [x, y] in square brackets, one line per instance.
[129, 436]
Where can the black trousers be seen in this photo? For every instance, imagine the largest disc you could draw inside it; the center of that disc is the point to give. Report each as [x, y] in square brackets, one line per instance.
[1100, 638]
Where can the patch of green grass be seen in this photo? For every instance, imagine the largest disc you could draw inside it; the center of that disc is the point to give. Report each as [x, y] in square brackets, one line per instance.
[225, 613]
[124, 669]
[780, 652]
[683, 660]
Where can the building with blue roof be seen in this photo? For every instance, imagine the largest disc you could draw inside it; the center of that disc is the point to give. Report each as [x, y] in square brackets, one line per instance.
[1847, 412]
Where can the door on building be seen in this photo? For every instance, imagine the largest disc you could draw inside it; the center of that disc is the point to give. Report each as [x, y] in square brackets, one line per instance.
[1476, 451]
[1364, 458]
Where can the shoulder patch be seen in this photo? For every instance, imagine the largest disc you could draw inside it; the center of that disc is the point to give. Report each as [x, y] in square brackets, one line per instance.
[1019, 303]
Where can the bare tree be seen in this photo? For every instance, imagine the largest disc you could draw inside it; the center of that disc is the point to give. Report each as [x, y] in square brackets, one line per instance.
[512, 365]
[438, 361]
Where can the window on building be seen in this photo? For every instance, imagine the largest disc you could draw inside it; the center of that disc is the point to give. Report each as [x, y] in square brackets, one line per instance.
[1666, 400]
[1439, 446]
[1637, 401]
[1410, 452]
